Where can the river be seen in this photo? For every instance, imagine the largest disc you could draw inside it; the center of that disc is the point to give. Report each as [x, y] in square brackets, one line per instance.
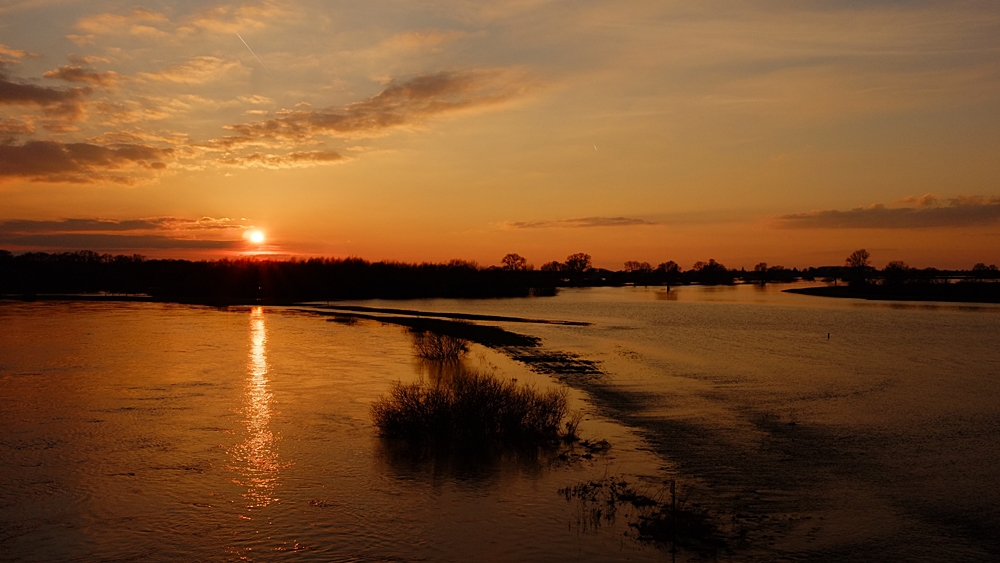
[822, 429]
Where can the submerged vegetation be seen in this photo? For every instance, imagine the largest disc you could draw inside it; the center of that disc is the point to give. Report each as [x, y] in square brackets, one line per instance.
[656, 517]
[472, 408]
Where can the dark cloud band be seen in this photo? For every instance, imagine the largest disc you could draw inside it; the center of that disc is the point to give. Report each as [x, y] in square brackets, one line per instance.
[53, 161]
[582, 222]
[961, 212]
[115, 242]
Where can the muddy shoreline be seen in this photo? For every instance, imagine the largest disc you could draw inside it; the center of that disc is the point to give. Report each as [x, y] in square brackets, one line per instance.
[946, 293]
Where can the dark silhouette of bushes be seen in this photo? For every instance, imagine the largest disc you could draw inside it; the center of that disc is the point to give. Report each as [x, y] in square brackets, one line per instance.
[250, 280]
[470, 408]
[433, 346]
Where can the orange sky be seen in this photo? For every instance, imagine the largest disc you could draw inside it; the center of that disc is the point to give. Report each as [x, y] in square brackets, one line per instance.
[786, 132]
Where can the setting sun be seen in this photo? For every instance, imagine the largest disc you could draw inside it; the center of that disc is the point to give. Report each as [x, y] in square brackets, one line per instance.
[257, 237]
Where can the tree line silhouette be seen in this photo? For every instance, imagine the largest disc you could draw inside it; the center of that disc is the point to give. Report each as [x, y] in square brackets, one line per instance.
[248, 280]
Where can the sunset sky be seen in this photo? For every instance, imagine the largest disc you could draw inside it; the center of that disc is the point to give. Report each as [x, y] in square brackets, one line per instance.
[791, 132]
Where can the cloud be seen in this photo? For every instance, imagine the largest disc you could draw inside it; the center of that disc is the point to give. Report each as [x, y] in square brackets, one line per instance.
[235, 19]
[14, 127]
[414, 41]
[927, 212]
[116, 242]
[582, 222]
[81, 74]
[54, 161]
[197, 70]
[148, 24]
[65, 103]
[401, 104]
[255, 99]
[137, 22]
[110, 234]
[926, 200]
[28, 226]
[291, 160]
[90, 59]
[24, 226]
[8, 55]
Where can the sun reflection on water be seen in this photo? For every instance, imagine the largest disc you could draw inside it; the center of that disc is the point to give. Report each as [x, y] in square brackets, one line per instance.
[256, 458]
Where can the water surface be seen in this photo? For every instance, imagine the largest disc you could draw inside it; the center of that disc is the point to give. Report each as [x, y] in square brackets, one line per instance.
[162, 433]
[827, 430]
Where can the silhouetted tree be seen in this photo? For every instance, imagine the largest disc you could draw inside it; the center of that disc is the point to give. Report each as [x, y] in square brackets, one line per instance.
[858, 263]
[711, 272]
[760, 273]
[575, 266]
[578, 263]
[896, 273]
[782, 274]
[858, 259]
[670, 272]
[553, 266]
[633, 266]
[638, 272]
[982, 272]
[514, 262]
[459, 263]
[668, 267]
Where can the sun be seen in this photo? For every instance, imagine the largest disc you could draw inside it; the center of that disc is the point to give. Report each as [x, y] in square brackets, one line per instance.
[256, 237]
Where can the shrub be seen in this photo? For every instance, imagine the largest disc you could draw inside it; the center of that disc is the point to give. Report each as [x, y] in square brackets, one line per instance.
[469, 408]
[433, 346]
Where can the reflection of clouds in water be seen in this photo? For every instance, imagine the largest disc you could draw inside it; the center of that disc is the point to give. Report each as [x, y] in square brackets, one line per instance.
[256, 458]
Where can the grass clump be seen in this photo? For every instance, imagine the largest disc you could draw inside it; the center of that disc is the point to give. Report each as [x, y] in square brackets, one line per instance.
[433, 346]
[471, 408]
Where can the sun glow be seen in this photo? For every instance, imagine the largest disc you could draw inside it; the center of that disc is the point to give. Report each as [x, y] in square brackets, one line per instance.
[256, 237]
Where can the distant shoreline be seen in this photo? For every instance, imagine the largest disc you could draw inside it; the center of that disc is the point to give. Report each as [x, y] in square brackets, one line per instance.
[949, 293]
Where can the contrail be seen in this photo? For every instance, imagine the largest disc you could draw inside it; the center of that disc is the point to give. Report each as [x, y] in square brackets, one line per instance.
[255, 55]
[595, 146]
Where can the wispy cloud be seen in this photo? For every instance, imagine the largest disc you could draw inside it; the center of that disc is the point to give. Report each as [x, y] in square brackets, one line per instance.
[138, 22]
[290, 160]
[422, 40]
[117, 242]
[198, 70]
[206, 233]
[402, 104]
[234, 19]
[923, 212]
[14, 127]
[8, 55]
[582, 222]
[148, 24]
[76, 73]
[26, 226]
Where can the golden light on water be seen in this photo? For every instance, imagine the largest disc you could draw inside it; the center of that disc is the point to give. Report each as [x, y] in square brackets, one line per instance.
[256, 458]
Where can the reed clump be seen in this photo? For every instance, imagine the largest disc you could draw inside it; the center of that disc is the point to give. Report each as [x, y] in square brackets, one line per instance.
[433, 346]
[471, 408]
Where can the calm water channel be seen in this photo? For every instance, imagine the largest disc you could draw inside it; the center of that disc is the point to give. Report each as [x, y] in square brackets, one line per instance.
[826, 430]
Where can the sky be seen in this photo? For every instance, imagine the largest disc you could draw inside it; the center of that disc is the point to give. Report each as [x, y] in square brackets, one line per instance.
[789, 132]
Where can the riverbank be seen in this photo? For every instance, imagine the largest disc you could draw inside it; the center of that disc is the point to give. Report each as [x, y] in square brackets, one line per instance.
[963, 292]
